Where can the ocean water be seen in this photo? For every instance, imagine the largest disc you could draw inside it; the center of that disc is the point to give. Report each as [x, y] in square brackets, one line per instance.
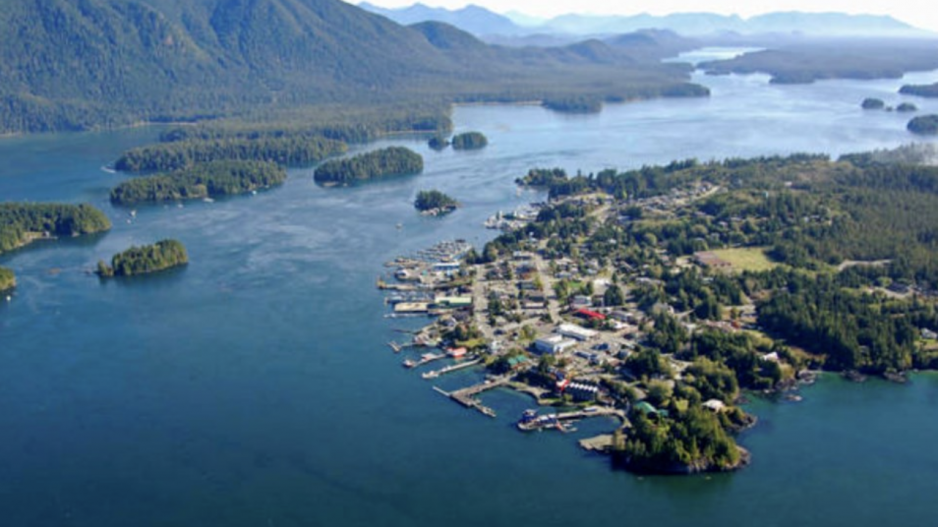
[255, 388]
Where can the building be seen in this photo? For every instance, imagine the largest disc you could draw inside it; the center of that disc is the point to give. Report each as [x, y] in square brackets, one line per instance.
[453, 302]
[576, 332]
[589, 315]
[553, 344]
[581, 391]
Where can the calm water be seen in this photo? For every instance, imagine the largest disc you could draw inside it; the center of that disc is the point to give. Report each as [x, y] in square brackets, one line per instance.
[254, 387]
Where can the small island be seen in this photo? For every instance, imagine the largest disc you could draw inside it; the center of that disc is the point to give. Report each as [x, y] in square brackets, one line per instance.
[438, 143]
[873, 104]
[470, 141]
[288, 151]
[24, 223]
[206, 180]
[921, 90]
[393, 161]
[906, 107]
[162, 255]
[434, 203]
[924, 125]
[7, 279]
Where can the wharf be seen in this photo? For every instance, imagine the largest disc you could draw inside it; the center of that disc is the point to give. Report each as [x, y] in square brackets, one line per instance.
[553, 420]
[426, 358]
[450, 369]
[466, 396]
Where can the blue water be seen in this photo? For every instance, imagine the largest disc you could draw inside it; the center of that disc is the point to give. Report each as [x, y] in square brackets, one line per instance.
[255, 388]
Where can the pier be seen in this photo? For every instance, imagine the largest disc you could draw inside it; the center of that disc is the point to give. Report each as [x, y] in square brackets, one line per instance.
[449, 369]
[426, 358]
[466, 396]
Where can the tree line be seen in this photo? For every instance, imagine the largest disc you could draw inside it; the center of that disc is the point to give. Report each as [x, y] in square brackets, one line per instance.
[378, 163]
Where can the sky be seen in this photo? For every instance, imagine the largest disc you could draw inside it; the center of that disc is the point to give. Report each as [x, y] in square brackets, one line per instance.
[914, 12]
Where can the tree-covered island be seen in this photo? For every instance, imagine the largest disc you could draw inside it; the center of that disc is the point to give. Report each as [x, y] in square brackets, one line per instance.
[469, 141]
[160, 256]
[393, 161]
[871, 103]
[434, 203]
[22, 223]
[924, 125]
[205, 180]
[662, 294]
[287, 150]
[921, 90]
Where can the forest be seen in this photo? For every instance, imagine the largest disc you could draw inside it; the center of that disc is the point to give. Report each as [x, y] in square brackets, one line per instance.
[924, 125]
[162, 255]
[384, 162]
[469, 141]
[922, 90]
[205, 180]
[181, 61]
[429, 200]
[21, 223]
[288, 151]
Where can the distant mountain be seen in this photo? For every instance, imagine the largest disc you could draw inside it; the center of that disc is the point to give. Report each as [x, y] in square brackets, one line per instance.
[484, 23]
[75, 64]
[820, 24]
[474, 19]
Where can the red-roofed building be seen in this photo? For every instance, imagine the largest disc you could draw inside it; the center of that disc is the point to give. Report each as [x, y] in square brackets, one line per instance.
[591, 315]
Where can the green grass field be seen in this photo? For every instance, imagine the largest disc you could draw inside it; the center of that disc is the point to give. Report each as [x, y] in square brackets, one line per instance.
[746, 259]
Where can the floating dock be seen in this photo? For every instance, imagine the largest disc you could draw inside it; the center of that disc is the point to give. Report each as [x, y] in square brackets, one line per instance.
[426, 358]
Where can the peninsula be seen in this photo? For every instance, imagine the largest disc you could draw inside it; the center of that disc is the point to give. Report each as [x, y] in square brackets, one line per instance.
[658, 296]
[7, 279]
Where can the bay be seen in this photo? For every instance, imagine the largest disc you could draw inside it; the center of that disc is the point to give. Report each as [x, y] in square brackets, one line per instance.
[255, 387]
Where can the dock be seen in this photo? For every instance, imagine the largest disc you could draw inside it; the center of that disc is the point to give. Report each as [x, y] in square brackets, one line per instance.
[449, 369]
[426, 358]
[466, 396]
[555, 420]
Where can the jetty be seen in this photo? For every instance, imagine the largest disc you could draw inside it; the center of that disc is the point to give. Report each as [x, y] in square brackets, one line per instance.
[426, 358]
[466, 396]
[449, 369]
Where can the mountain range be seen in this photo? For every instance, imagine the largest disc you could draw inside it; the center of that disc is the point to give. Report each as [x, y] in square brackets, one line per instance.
[75, 64]
[484, 23]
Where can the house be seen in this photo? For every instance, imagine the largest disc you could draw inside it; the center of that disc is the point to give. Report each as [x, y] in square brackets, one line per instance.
[579, 301]
[714, 405]
[553, 344]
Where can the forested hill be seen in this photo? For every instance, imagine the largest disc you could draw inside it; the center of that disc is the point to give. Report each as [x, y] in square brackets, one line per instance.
[73, 64]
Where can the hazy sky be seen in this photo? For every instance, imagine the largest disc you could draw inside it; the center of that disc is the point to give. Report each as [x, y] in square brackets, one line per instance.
[915, 12]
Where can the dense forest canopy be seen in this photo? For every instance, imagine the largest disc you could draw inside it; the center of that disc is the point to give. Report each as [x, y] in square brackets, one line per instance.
[162, 255]
[131, 61]
[205, 180]
[395, 160]
[288, 151]
[21, 223]
[428, 200]
[469, 141]
[924, 125]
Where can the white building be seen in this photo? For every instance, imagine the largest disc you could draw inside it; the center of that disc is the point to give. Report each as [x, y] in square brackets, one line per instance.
[576, 332]
[553, 344]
